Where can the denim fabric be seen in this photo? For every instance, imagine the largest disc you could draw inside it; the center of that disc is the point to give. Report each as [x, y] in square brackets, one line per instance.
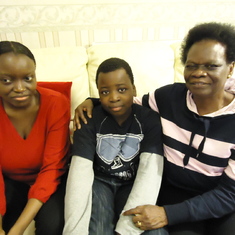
[108, 199]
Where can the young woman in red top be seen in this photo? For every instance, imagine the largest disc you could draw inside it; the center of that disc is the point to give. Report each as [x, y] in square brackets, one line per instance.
[34, 137]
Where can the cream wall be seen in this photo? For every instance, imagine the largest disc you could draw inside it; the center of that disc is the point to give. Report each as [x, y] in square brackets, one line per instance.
[52, 23]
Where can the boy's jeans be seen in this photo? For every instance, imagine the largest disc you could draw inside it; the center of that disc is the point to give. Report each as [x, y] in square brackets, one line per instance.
[108, 199]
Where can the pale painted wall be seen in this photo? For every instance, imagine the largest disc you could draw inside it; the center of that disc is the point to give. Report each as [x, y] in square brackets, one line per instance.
[51, 23]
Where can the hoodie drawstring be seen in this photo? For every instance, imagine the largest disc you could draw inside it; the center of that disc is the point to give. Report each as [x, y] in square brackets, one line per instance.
[206, 122]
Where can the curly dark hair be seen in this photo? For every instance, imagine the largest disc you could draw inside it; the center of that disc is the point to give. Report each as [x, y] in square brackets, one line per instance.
[113, 64]
[221, 32]
[15, 47]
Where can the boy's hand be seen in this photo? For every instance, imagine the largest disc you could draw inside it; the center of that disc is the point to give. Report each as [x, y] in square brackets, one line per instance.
[85, 106]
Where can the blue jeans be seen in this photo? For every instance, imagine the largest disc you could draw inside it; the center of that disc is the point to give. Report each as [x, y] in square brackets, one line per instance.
[109, 196]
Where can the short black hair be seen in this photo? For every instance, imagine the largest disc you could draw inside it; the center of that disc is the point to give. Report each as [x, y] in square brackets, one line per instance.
[113, 64]
[17, 48]
[221, 32]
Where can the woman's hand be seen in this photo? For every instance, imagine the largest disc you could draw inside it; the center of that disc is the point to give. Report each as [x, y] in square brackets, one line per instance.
[85, 106]
[2, 232]
[148, 217]
[15, 231]
[31, 209]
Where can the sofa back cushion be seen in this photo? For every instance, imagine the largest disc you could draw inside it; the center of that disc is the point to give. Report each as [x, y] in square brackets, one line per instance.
[64, 64]
[152, 63]
[178, 66]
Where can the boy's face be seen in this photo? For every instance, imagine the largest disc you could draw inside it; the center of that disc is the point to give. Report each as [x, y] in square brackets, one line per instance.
[116, 93]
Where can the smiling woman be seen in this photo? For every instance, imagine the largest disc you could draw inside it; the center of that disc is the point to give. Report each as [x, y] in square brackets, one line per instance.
[206, 72]
[34, 136]
[198, 139]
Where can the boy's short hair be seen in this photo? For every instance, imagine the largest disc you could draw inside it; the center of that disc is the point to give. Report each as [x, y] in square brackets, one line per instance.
[113, 64]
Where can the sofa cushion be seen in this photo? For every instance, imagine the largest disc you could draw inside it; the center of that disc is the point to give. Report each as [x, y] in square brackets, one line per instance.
[64, 64]
[152, 63]
[62, 87]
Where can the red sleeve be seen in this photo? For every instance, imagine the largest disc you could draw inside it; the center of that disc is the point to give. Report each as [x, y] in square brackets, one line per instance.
[55, 157]
[2, 195]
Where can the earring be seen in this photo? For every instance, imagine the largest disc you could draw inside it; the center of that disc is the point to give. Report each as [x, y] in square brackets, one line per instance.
[229, 76]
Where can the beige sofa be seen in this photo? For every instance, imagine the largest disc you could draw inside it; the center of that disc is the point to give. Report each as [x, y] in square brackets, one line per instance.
[154, 64]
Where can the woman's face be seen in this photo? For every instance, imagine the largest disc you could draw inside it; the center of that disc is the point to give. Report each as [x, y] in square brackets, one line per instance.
[17, 80]
[206, 69]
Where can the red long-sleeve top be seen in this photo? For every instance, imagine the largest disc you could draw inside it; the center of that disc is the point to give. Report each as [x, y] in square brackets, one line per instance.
[41, 159]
